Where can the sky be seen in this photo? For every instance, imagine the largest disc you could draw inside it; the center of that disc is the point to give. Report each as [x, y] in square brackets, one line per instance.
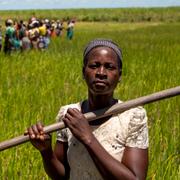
[66, 4]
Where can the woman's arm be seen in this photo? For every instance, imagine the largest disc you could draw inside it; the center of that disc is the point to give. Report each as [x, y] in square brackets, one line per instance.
[55, 162]
[133, 166]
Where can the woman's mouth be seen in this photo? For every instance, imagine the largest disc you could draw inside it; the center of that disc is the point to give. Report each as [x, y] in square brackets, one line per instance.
[100, 83]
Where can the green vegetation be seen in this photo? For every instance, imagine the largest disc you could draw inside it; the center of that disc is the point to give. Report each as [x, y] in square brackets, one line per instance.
[34, 85]
[169, 14]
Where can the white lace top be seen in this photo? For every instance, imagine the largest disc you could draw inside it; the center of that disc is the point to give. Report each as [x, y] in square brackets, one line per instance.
[125, 129]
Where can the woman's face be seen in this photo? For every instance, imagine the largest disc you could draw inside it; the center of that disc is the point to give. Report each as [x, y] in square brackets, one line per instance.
[101, 71]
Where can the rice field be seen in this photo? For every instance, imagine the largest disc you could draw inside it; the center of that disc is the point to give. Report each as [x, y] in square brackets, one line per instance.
[33, 86]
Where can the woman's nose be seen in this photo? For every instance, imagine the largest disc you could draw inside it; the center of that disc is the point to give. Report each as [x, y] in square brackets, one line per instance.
[101, 71]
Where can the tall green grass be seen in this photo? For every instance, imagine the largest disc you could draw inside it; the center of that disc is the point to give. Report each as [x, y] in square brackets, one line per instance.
[34, 85]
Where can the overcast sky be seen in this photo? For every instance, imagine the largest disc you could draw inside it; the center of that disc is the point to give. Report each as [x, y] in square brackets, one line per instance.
[64, 4]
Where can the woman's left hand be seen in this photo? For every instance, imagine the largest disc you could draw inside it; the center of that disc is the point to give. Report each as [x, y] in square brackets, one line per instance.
[78, 125]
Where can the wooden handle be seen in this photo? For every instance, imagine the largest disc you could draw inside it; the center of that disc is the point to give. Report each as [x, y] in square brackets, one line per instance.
[117, 108]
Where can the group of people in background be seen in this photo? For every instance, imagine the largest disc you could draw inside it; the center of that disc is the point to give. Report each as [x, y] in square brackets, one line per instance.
[34, 34]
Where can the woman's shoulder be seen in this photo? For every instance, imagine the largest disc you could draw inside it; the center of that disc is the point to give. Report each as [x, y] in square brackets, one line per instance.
[137, 114]
[134, 126]
[139, 110]
[63, 109]
[73, 105]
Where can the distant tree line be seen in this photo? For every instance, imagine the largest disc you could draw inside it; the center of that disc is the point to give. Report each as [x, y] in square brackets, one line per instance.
[168, 14]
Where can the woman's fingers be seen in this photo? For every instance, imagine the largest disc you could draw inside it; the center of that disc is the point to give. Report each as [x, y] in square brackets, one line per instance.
[76, 110]
[39, 139]
[35, 131]
[40, 126]
[31, 133]
[40, 129]
[68, 116]
[73, 111]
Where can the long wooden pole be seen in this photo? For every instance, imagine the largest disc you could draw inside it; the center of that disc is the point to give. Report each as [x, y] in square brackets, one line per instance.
[117, 108]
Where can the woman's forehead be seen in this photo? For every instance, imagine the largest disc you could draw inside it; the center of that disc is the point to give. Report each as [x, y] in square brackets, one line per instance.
[103, 55]
[103, 51]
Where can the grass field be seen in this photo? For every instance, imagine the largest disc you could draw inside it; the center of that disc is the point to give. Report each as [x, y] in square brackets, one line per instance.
[34, 85]
[166, 14]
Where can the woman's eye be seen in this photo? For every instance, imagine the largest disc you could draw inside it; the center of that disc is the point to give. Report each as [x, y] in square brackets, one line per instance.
[110, 66]
[93, 66]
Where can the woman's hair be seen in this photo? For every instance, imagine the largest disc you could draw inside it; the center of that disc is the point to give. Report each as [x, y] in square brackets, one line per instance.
[102, 43]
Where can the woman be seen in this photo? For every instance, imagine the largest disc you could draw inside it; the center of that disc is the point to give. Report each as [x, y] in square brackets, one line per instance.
[70, 27]
[115, 147]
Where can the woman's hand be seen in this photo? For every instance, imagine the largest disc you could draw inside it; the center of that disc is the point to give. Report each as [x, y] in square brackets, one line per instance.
[38, 138]
[78, 125]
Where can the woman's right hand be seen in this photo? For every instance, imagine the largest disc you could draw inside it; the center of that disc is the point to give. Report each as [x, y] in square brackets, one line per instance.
[38, 138]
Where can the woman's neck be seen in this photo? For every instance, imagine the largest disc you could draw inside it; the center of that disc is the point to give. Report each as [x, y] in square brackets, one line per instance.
[98, 102]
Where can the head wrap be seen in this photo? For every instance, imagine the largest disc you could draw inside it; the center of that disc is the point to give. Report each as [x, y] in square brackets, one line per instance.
[103, 43]
[9, 22]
